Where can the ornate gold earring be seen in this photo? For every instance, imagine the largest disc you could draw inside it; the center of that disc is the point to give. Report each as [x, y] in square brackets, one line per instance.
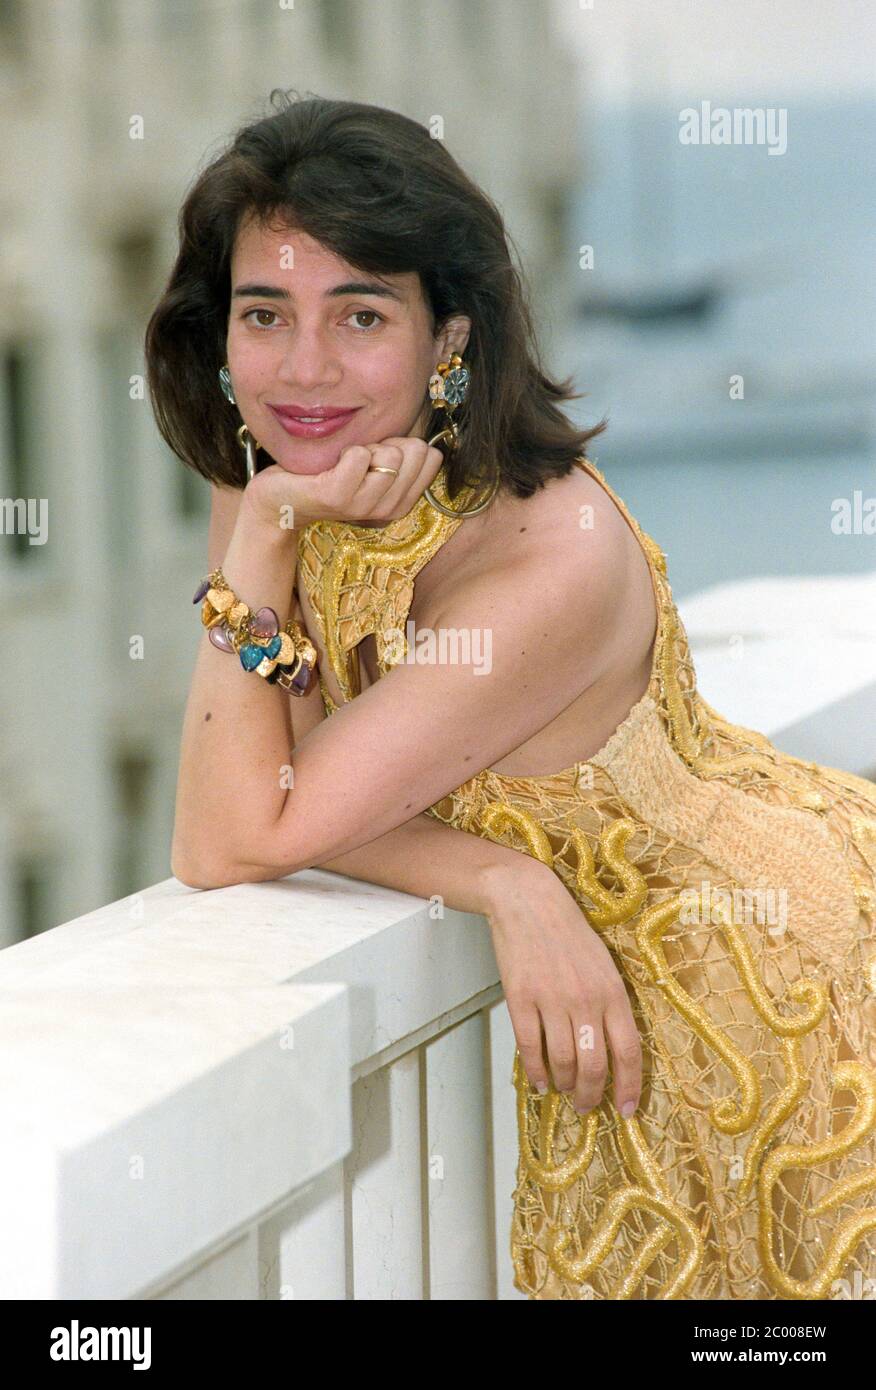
[247, 441]
[448, 388]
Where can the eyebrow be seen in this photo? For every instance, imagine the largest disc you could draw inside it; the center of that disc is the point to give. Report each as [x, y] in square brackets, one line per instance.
[254, 291]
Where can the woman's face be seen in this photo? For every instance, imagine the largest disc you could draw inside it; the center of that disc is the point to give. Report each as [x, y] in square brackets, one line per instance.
[299, 336]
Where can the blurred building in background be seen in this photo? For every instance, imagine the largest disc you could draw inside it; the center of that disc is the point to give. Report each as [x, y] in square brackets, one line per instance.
[109, 107]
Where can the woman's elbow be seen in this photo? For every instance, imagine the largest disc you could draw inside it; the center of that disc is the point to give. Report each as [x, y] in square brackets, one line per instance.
[199, 874]
[197, 868]
[191, 877]
[221, 876]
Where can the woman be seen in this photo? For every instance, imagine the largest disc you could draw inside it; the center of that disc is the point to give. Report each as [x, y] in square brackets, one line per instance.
[570, 783]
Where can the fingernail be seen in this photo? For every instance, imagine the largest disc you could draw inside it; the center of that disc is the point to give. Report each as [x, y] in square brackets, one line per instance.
[541, 1088]
[627, 1108]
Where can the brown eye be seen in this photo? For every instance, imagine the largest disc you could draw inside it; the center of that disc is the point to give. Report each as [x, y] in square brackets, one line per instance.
[357, 313]
[270, 312]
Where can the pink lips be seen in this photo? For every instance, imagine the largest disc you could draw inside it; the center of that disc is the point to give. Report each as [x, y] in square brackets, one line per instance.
[329, 422]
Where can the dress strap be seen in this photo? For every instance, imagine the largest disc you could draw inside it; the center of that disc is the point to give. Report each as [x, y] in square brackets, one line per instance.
[656, 561]
[653, 553]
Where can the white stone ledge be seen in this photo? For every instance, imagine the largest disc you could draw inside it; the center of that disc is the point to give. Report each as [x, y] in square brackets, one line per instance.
[143, 1124]
[153, 1029]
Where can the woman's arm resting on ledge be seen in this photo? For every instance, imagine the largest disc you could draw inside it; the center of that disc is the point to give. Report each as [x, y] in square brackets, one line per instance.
[426, 858]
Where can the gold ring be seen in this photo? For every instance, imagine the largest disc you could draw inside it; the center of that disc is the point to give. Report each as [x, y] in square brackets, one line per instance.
[376, 468]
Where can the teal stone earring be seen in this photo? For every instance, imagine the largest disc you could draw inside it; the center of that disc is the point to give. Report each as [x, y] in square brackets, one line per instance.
[448, 388]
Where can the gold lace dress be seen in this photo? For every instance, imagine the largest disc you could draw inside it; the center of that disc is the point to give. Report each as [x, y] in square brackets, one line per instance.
[735, 886]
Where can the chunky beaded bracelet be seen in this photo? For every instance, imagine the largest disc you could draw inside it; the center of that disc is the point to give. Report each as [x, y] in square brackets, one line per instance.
[287, 658]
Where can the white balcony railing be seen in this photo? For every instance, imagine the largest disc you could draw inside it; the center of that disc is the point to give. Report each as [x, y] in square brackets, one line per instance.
[290, 1089]
[302, 1089]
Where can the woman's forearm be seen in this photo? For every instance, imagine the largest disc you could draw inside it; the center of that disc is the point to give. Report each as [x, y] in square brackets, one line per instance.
[306, 711]
[426, 858]
[237, 734]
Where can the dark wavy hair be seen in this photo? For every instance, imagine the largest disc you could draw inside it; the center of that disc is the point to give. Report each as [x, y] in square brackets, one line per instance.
[374, 187]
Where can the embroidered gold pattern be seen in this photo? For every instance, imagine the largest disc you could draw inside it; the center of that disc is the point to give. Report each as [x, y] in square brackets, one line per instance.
[849, 1232]
[359, 580]
[745, 1171]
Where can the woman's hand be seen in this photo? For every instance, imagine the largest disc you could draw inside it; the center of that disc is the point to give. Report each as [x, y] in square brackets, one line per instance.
[349, 491]
[558, 975]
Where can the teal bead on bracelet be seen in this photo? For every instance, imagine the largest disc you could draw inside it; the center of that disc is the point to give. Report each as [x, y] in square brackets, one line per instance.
[251, 654]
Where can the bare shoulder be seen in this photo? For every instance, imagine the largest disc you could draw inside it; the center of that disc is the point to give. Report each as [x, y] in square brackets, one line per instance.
[565, 587]
[572, 520]
[569, 535]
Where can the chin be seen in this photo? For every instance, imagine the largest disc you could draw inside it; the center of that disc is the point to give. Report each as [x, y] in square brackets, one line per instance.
[308, 466]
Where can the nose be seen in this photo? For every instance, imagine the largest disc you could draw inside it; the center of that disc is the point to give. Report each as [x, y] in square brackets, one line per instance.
[310, 359]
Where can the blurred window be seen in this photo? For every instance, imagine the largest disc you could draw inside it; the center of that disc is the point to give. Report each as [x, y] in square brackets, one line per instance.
[34, 898]
[133, 771]
[20, 474]
[13, 29]
[337, 26]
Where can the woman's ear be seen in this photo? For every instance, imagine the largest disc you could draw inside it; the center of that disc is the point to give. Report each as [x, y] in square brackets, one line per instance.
[453, 337]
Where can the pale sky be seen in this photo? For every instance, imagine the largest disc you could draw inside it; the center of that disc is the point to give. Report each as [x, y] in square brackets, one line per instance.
[697, 49]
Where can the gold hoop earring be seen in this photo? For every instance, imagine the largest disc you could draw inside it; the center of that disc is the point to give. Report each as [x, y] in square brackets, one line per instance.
[250, 444]
[247, 441]
[469, 511]
[448, 388]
